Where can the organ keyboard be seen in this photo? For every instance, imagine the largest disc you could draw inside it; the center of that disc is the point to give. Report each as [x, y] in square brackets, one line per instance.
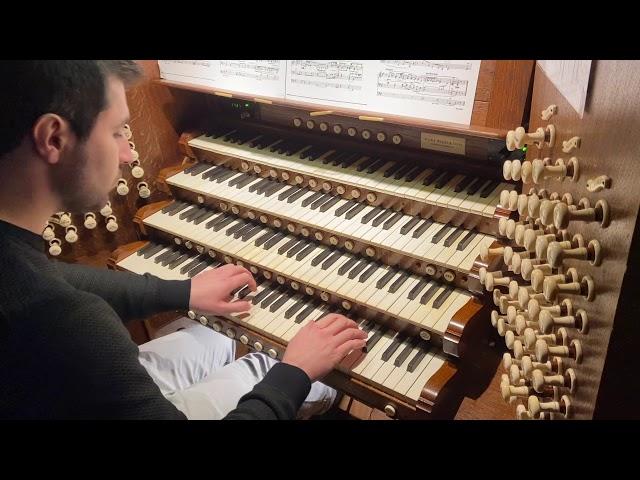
[387, 233]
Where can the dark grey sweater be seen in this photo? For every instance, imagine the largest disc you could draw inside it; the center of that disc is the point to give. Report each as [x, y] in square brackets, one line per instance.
[65, 353]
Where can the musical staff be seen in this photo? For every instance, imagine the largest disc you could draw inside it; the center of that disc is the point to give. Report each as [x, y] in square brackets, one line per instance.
[259, 70]
[441, 65]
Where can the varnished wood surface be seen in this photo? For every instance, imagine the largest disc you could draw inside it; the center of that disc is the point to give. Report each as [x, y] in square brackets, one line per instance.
[609, 147]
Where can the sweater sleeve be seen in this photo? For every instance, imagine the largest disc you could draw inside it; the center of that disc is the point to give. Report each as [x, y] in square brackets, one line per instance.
[278, 396]
[131, 295]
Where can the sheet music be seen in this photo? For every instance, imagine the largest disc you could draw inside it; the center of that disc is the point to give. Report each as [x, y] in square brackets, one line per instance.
[329, 82]
[441, 90]
[199, 72]
[257, 77]
[571, 78]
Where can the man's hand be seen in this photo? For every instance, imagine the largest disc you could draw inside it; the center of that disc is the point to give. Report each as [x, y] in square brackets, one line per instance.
[319, 346]
[211, 290]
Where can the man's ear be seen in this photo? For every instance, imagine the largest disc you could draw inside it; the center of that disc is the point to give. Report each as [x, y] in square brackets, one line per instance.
[51, 135]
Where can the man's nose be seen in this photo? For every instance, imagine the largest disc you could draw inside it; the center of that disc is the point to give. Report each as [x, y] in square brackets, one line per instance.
[126, 155]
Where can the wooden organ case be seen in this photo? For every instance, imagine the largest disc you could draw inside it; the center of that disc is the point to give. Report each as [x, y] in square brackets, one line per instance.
[564, 289]
[335, 212]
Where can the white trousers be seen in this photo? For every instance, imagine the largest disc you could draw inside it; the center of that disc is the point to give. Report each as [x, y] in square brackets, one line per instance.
[196, 371]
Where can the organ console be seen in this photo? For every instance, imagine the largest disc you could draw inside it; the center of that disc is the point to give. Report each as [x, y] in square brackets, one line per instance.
[354, 216]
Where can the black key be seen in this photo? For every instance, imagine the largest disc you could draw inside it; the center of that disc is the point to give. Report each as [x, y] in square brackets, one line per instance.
[346, 266]
[258, 298]
[311, 198]
[194, 214]
[170, 258]
[344, 208]
[307, 311]
[308, 152]
[238, 179]
[178, 261]
[444, 179]
[486, 191]
[358, 268]
[246, 181]
[199, 168]
[272, 298]
[366, 164]
[432, 177]
[194, 271]
[475, 186]
[440, 233]
[424, 226]
[437, 303]
[400, 359]
[452, 238]
[351, 160]
[386, 278]
[265, 237]
[319, 258]
[236, 290]
[215, 173]
[226, 176]
[382, 217]
[265, 186]
[402, 171]
[214, 221]
[415, 291]
[146, 248]
[321, 152]
[392, 169]
[187, 212]
[375, 166]
[191, 168]
[367, 325]
[337, 159]
[255, 186]
[163, 255]
[429, 293]
[306, 251]
[291, 311]
[297, 195]
[243, 230]
[391, 349]
[413, 174]
[244, 292]
[368, 272]
[192, 264]
[219, 226]
[332, 156]
[464, 243]
[354, 211]
[373, 339]
[274, 240]
[320, 201]
[332, 201]
[288, 245]
[371, 215]
[205, 216]
[287, 192]
[275, 306]
[172, 206]
[274, 188]
[406, 228]
[295, 147]
[462, 184]
[179, 209]
[252, 233]
[301, 244]
[415, 361]
[331, 260]
[399, 282]
[235, 227]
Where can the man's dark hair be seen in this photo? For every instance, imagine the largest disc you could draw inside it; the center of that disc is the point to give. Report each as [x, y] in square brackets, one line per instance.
[73, 89]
